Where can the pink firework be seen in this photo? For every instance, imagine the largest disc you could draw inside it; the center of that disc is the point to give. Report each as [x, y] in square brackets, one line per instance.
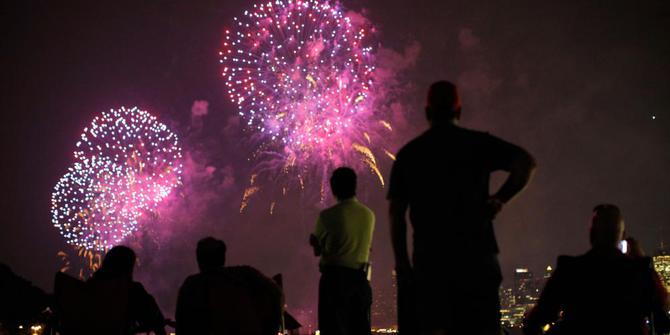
[301, 74]
[126, 163]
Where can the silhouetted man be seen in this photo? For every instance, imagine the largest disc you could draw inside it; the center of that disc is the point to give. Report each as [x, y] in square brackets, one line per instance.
[442, 177]
[143, 311]
[342, 238]
[227, 300]
[603, 291]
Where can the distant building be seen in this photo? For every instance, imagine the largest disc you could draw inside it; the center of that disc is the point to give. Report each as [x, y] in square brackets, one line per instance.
[506, 296]
[506, 306]
[540, 282]
[521, 297]
[662, 265]
[524, 286]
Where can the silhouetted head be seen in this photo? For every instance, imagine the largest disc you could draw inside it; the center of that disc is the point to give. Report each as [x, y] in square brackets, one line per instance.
[343, 183]
[211, 254]
[119, 262]
[607, 226]
[443, 104]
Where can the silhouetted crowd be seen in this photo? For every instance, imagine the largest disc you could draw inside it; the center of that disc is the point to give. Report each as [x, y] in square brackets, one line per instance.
[440, 185]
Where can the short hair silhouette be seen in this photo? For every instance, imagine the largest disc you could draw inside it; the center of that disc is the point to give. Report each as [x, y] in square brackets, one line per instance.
[211, 254]
[443, 103]
[606, 225]
[119, 261]
[343, 183]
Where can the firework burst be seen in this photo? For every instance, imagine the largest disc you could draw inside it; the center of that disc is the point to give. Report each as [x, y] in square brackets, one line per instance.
[126, 163]
[302, 76]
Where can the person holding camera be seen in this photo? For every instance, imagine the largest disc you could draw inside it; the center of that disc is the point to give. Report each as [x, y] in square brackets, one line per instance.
[604, 291]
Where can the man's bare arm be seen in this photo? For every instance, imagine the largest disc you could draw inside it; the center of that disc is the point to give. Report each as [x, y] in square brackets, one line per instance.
[520, 173]
[397, 211]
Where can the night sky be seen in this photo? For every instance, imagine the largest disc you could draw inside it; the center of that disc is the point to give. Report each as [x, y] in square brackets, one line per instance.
[583, 85]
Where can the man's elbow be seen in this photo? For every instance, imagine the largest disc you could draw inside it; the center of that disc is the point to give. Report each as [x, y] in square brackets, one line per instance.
[528, 162]
[532, 163]
[524, 164]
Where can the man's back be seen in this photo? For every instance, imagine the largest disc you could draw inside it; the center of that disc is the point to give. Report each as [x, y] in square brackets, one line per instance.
[231, 300]
[603, 292]
[444, 177]
[345, 232]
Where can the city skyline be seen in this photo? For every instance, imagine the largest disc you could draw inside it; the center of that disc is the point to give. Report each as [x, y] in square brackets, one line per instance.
[581, 85]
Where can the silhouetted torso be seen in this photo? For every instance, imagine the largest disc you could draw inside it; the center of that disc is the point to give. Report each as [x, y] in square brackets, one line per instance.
[444, 176]
[600, 292]
[143, 311]
[345, 234]
[230, 300]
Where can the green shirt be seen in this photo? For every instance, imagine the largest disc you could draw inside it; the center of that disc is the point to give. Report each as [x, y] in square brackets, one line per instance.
[344, 232]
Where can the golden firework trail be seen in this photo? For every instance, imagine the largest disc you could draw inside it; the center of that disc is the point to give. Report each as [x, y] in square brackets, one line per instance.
[370, 160]
[250, 191]
[386, 125]
[89, 261]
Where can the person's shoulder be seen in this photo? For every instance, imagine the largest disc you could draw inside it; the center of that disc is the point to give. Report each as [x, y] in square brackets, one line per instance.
[567, 259]
[593, 257]
[567, 264]
[248, 274]
[474, 134]
[241, 268]
[433, 136]
[192, 279]
[415, 144]
[329, 211]
[5, 270]
[469, 131]
[369, 211]
[646, 262]
[242, 271]
[361, 208]
[636, 266]
[252, 278]
[640, 263]
[366, 209]
[137, 289]
[135, 285]
[191, 284]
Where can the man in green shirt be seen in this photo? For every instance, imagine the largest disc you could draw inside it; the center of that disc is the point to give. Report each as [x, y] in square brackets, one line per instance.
[342, 238]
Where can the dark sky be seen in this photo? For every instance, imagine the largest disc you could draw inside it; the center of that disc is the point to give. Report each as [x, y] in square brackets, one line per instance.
[575, 82]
